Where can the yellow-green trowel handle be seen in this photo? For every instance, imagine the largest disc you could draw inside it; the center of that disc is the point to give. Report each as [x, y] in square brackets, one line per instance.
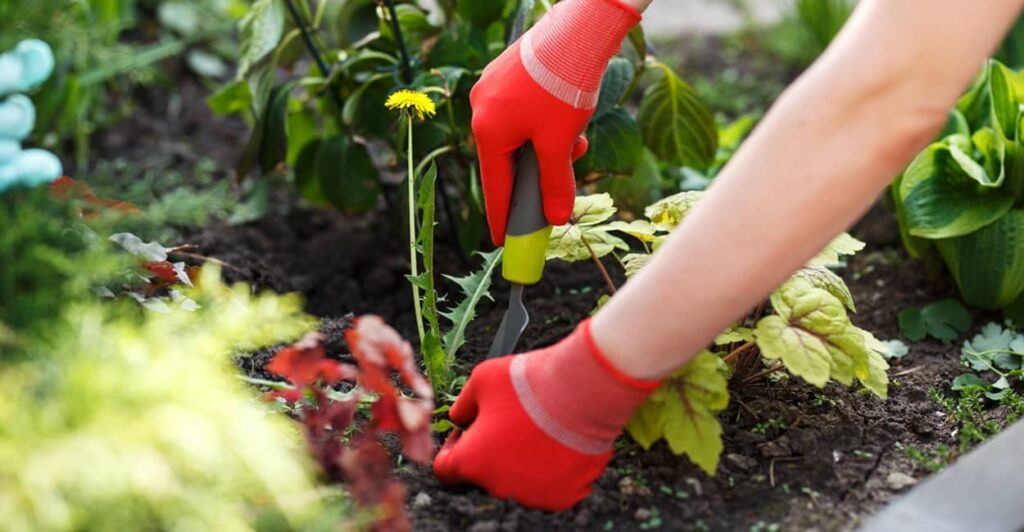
[527, 232]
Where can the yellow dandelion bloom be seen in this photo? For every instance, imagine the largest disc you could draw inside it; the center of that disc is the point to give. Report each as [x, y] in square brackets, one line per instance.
[411, 101]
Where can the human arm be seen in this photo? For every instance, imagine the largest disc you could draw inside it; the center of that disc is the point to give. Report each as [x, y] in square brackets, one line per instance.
[823, 153]
[819, 158]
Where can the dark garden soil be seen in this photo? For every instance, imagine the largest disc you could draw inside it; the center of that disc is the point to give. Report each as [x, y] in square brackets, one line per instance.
[795, 457]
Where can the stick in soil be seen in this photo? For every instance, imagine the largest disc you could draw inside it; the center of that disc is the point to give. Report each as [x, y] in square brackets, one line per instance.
[600, 266]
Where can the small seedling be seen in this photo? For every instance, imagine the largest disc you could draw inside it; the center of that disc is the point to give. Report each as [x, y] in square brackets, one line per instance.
[944, 320]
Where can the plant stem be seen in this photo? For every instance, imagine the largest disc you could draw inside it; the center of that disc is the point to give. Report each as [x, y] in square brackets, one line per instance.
[396, 28]
[413, 269]
[764, 373]
[600, 266]
[737, 352]
[307, 39]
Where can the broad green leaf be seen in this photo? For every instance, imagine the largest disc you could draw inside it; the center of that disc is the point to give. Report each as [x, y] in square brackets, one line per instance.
[261, 31]
[584, 233]
[480, 14]
[301, 128]
[474, 287]
[684, 411]
[735, 334]
[825, 279]
[633, 262]
[1007, 89]
[615, 145]
[639, 229]
[988, 264]
[941, 200]
[307, 172]
[413, 22]
[613, 86]
[274, 147]
[842, 245]
[348, 176]
[667, 213]
[633, 193]
[945, 320]
[956, 124]
[813, 337]
[990, 171]
[976, 103]
[967, 381]
[676, 125]
[232, 98]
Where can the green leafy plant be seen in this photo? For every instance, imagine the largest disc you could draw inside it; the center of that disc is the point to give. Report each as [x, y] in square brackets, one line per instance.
[364, 52]
[960, 195]
[804, 328]
[944, 320]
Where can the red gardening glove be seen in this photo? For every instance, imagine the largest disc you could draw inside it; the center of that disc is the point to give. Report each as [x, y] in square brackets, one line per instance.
[539, 427]
[543, 90]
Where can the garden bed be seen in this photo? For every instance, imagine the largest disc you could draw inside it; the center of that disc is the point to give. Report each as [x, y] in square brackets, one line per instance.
[794, 456]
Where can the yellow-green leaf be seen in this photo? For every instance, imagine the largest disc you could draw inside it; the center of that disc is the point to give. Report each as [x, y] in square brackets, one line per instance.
[826, 279]
[666, 214]
[844, 244]
[735, 334]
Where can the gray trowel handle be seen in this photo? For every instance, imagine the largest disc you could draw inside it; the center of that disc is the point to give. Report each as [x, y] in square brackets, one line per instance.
[527, 232]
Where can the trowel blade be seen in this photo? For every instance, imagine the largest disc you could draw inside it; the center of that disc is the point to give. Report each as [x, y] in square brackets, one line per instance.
[512, 325]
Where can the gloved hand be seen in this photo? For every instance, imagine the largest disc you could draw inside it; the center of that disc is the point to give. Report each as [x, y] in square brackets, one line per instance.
[544, 89]
[539, 427]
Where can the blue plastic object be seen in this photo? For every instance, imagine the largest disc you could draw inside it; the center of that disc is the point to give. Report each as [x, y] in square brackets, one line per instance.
[24, 68]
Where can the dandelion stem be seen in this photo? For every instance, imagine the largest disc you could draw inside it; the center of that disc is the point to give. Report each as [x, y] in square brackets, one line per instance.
[413, 269]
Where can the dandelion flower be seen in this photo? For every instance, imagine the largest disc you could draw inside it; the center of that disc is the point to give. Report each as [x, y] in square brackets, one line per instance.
[411, 101]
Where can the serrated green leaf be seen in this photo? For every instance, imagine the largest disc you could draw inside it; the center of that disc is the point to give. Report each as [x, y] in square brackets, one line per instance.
[633, 262]
[842, 245]
[676, 125]
[666, 214]
[639, 229]
[993, 347]
[735, 334]
[261, 30]
[474, 288]
[570, 242]
[684, 411]
[813, 337]
[895, 349]
[825, 279]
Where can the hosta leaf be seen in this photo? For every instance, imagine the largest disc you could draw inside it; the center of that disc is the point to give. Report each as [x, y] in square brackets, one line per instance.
[988, 264]
[1007, 89]
[261, 30]
[842, 245]
[676, 125]
[813, 337]
[941, 200]
[684, 411]
[615, 145]
[825, 279]
[634, 262]
[474, 287]
[666, 214]
[734, 335]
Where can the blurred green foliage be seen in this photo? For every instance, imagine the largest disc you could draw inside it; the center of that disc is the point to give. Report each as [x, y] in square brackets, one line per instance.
[105, 48]
[115, 418]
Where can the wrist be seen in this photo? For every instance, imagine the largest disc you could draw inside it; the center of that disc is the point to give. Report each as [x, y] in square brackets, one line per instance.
[568, 51]
[575, 395]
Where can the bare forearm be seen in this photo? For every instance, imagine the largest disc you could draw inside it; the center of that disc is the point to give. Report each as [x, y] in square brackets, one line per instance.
[820, 157]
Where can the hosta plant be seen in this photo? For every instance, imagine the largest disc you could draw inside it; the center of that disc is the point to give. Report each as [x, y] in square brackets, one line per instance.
[804, 328]
[961, 196]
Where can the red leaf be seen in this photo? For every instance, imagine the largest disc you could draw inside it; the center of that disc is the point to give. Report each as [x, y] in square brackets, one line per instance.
[65, 188]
